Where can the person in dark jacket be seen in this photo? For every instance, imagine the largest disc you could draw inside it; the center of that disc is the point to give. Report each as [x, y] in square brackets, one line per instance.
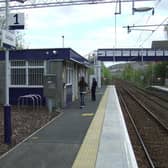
[82, 89]
[93, 89]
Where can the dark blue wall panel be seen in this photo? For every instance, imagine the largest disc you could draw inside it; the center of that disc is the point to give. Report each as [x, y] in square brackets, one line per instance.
[14, 93]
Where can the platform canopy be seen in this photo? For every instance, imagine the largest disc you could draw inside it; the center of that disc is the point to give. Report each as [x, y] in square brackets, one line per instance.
[132, 54]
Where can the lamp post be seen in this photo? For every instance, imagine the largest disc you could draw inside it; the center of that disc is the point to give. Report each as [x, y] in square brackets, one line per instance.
[62, 41]
[153, 73]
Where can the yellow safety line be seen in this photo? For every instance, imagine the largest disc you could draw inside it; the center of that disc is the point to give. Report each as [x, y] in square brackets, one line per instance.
[87, 114]
[86, 157]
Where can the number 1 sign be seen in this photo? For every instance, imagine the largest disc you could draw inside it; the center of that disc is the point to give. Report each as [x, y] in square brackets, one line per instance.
[16, 21]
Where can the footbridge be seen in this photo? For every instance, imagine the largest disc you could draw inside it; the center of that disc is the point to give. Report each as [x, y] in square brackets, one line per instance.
[132, 54]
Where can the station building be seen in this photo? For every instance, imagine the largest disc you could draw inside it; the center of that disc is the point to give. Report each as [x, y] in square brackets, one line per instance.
[51, 73]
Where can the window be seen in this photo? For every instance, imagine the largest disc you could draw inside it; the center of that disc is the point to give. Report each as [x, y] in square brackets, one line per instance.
[36, 63]
[69, 72]
[27, 72]
[18, 76]
[18, 63]
[35, 76]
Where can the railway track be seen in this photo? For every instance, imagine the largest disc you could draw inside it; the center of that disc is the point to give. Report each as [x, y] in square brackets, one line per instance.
[159, 99]
[143, 158]
[157, 93]
[157, 106]
[151, 131]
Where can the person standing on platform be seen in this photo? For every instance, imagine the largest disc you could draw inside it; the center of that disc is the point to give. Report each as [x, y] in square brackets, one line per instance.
[82, 89]
[93, 89]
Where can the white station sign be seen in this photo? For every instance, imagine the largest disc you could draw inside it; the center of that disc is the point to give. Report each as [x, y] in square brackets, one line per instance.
[8, 39]
[16, 21]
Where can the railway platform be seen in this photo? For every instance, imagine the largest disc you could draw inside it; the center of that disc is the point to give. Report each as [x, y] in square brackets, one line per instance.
[92, 137]
[163, 88]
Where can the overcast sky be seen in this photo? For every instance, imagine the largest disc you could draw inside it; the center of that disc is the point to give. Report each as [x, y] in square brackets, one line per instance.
[89, 27]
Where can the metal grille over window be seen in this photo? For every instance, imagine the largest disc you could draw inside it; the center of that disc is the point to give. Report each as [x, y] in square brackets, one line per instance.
[29, 73]
[36, 63]
[18, 63]
[36, 76]
[18, 76]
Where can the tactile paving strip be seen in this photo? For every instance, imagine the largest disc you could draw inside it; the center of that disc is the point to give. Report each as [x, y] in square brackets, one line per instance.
[86, 157]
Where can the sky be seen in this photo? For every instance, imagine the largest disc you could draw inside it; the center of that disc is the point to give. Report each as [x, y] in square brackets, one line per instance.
[90, 27]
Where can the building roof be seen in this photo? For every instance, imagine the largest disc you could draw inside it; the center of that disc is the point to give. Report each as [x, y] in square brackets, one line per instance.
[46, 54]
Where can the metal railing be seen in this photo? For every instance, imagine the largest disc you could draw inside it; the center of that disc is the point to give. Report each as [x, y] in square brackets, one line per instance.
[30, 99]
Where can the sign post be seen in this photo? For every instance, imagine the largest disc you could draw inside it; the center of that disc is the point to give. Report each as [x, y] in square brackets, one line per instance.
[7, 107]
[16, 21]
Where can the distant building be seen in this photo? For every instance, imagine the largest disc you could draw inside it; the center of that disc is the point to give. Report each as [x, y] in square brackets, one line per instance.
[117, 69]
[162, 44]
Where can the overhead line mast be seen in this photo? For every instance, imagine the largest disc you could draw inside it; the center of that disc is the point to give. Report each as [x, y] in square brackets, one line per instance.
[55, 3]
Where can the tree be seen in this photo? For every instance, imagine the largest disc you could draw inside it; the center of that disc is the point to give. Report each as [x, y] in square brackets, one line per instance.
[19, 40]
[161, 71]
[106, 75]
[128, 72]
